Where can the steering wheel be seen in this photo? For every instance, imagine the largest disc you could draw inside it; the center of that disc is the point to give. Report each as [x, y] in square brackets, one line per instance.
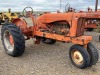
[67, 7]
[27, 11]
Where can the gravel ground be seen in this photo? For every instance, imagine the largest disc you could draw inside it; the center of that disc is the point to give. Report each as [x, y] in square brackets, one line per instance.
[45, 59]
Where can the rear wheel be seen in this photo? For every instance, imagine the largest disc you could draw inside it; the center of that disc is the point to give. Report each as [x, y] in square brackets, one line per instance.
[48, 41]
[93, 52]
[79, 56]
[12, 40]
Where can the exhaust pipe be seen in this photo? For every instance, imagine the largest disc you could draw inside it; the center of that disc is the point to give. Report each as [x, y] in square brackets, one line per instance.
[96, 6]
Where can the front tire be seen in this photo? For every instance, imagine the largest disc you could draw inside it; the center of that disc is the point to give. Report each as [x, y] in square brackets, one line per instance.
[79, 56]
[12, 40]
[93, 52]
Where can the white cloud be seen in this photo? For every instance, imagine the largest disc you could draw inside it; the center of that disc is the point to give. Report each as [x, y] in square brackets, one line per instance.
[18, 5]
[39, 1]
[80, 1]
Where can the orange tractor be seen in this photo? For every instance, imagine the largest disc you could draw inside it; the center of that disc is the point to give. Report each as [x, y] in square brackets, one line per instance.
[49, 28]
[92, 17]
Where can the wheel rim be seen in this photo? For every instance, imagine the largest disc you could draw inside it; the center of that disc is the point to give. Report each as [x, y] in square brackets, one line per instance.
[8, 41]
[77, 57]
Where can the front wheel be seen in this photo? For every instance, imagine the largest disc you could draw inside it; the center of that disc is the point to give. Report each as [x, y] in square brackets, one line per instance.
[12, 40]
[79, 56]
[93, 52]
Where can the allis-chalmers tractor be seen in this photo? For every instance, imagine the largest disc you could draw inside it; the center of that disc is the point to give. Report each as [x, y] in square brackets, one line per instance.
[49, 28]
[92, 17]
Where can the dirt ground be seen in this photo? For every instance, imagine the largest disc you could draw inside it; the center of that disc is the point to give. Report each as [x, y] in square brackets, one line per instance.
[45, 59]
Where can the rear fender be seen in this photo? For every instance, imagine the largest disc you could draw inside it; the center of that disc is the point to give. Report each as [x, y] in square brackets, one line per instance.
[21, 23]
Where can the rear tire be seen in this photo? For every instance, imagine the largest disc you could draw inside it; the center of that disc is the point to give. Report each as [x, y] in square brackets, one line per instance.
[79, 56]
[18, 47]
[93, 52]
[48, 41]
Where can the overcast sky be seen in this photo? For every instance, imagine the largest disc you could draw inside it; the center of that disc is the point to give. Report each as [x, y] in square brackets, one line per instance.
[52, 5]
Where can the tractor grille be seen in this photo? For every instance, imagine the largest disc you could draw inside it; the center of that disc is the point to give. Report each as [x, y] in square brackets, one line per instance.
[80, 27]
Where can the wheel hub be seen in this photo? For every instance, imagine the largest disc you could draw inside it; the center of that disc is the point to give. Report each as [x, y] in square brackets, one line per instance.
[11, 40]
[8, 41]
[77, 57]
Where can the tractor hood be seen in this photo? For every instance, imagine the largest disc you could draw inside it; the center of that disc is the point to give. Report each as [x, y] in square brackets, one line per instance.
[49, 18]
